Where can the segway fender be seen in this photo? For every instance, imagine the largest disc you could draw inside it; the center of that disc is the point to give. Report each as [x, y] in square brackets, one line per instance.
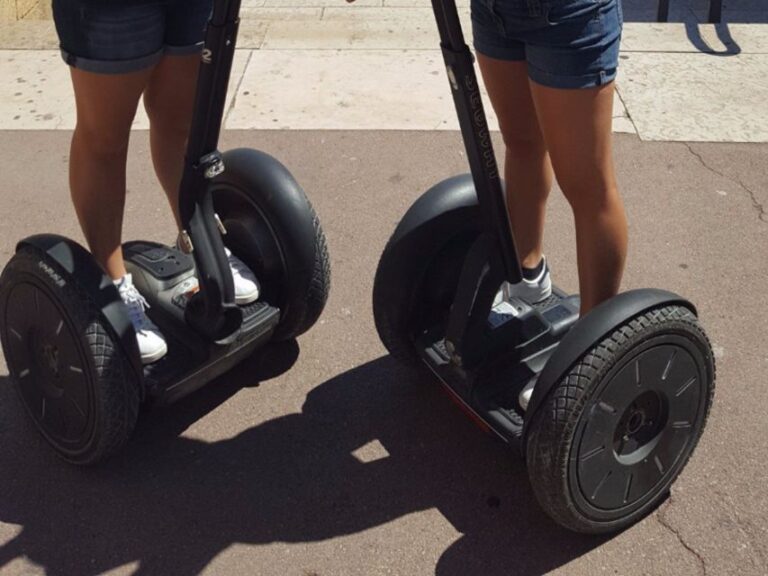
[441, 212]
[79, 266]
[454, 198]
[588, 331]
[273, 189]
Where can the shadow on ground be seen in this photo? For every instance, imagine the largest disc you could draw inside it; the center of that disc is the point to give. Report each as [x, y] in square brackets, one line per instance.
[694, 13]
[173, 503]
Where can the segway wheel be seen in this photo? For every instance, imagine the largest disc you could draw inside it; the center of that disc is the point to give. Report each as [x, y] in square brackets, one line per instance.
[409, 297]
[273, 228]
[74, 381]
[617, 430]
[419, 270]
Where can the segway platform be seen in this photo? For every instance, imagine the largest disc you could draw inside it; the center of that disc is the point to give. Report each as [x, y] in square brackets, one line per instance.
[167, 277]
[527, 336]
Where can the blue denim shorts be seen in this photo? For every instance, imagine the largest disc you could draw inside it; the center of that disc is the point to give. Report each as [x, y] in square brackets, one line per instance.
[120, 36]
[565, 43]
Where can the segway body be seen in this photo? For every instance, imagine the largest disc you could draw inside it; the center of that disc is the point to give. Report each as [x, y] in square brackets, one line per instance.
[619, 397]
[69, 344]
[272, 227]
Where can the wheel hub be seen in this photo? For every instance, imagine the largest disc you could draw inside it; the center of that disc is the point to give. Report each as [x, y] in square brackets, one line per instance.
[45, 358]
[50, 355]
[639, 426]
[46, 364]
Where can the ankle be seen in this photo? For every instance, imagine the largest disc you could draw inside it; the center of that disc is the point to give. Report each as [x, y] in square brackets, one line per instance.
[531, 260]
[531, 272]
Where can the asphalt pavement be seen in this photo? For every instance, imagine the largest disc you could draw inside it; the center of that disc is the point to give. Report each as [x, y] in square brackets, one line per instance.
[327, 458]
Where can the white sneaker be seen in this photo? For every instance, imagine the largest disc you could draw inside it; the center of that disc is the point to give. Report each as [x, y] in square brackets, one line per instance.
[246, 286]
[530, 291]
[152, 345]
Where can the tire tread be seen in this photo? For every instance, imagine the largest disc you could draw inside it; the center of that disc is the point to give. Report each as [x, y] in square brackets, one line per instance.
[553, 427]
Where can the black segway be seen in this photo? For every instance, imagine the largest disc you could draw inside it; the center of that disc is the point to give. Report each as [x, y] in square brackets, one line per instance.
[70, 347]
[619, 397]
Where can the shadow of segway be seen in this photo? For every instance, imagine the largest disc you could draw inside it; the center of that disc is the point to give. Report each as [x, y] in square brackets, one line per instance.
[369, 446]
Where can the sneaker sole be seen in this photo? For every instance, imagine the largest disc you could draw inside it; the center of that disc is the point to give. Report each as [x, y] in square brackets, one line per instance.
[155, 356]
[246, 299]
[532, 295]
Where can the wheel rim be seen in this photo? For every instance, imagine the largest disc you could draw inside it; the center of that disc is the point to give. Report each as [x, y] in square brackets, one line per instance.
[47, 362]
[639, 427]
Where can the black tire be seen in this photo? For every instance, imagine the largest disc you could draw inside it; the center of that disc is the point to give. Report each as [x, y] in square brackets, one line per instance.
[617, 430]
[274, 229]
[319, 286]
[74, 380]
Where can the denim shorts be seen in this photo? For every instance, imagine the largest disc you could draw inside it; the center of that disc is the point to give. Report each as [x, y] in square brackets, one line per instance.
[120, 36]
[565, 43]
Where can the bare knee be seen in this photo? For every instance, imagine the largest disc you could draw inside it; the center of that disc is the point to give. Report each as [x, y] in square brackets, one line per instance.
[520, 144]
[167, 118]
[590, 196]
[102, 141]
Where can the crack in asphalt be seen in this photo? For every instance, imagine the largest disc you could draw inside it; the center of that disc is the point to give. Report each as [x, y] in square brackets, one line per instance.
[759, 208]
[746, 528]
[661, 517]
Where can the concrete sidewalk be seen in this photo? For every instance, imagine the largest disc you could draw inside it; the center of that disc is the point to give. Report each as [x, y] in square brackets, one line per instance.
[375, 65]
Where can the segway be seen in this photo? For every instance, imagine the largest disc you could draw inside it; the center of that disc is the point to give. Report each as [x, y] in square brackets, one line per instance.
[68, 342]
[619, 397]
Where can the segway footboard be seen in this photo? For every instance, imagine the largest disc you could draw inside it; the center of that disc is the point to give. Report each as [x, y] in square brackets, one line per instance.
[490, 391]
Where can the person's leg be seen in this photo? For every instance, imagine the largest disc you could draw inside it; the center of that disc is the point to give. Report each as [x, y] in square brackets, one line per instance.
[169, 99]
[111, 49]
[576, 124]
[527, 169]
[106, 105]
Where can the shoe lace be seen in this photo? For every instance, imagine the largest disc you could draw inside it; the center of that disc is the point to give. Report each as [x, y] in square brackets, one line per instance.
[137, 305]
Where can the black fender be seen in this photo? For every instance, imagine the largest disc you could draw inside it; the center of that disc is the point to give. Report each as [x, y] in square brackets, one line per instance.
[443, 213]
[590, 330]
[77, 263]
[445, 209]
[449, 203]
[272, 189]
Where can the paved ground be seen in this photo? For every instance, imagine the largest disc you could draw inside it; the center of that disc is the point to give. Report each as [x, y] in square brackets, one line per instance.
[326, 458]
[347, 464]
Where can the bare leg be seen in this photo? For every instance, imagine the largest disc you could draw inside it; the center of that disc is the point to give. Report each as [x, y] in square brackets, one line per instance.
[106, 106]
[527, 169]
[577, 129]
[169, 100]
